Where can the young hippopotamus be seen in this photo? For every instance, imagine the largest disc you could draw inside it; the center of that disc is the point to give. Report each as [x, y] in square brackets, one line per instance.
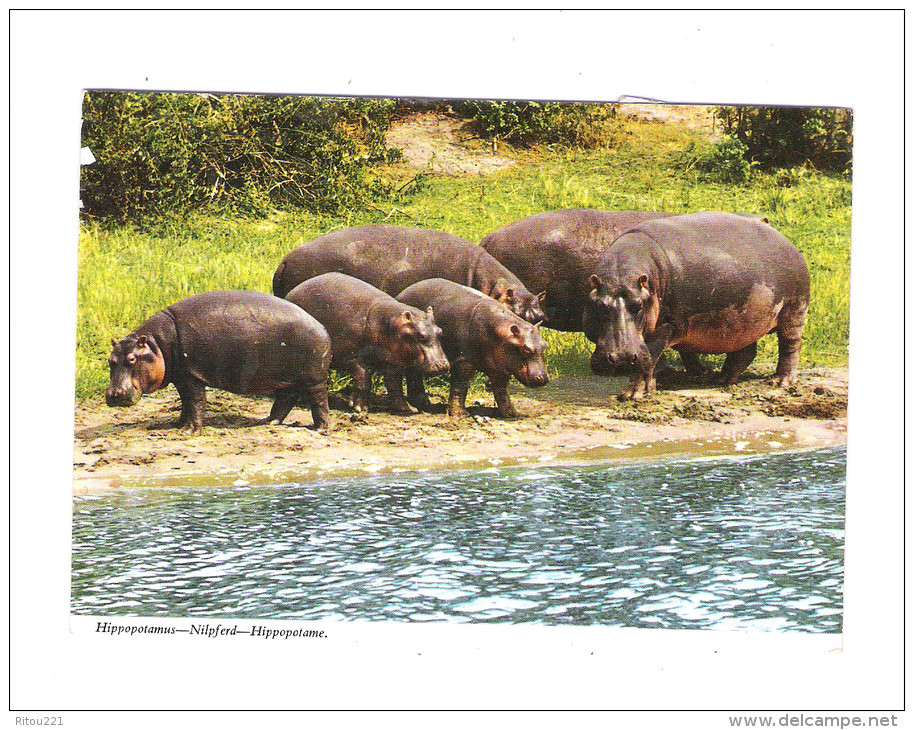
[243, 342]
[370, 330]
[703, 283]
[478, 334]
[394, 257]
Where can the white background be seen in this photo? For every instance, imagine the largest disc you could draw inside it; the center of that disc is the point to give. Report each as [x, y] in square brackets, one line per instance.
[852, 59]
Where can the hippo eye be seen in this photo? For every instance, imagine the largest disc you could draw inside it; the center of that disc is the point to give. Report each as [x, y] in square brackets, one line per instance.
[131, 359]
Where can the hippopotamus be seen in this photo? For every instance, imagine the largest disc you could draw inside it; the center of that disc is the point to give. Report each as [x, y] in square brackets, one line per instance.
[243, 342]
[393, 257]
[557, 252]
[370, 330]
[478, 334]
[703, 283]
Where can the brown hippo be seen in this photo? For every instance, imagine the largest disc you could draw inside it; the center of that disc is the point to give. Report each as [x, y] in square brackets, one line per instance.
[557, 252]
[243, 342]
[393, 257]
[370, 330]
[478, 334]
[703, 283]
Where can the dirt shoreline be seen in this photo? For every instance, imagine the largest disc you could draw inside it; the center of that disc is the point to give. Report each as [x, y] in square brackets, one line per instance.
[573, 420]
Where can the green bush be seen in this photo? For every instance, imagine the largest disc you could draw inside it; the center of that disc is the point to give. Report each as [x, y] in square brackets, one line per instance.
[785, 137]
[724, 161]
[165, 154]
[531, 123]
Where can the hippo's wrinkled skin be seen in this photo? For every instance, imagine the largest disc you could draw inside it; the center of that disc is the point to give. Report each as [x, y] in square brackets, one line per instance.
[703, 283]
[392, 258]
[243, 342]
[557, 253]
[371, 331]
[478, 334]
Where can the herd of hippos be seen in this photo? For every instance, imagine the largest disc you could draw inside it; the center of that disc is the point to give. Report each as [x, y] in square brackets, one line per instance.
[409, 302]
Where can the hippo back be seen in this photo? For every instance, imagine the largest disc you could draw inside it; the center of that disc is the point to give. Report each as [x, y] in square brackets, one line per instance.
[556, 252]
[387, 257]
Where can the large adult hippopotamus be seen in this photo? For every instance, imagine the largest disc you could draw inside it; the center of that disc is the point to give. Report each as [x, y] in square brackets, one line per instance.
[393, 257]
[703, 283]
[243, 342]
[557, 252]
[478, 334]
[370, 331]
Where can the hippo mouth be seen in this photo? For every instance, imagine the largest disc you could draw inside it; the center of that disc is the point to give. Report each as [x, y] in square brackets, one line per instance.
[532, 380]
[123, 400]
[434, 365]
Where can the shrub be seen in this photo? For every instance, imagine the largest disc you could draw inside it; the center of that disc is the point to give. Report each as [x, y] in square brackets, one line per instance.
[531, 123]
[724, 161]
[164, 154]
[784, 137]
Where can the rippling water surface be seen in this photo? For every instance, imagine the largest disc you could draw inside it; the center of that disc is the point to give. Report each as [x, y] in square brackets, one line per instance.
[753, 542]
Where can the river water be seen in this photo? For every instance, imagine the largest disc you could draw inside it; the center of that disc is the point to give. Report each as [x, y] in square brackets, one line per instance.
[725, 543]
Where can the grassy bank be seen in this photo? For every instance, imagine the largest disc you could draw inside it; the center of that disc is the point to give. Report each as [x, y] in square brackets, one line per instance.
[126, 275]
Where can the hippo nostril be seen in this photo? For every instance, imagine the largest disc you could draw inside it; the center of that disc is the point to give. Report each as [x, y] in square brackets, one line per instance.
[613, 358]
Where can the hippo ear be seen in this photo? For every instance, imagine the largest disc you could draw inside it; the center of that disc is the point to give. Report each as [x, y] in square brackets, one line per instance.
[643, 281]
[430, 312]
[541, 296]
[595, 282]
[113, 342]
[141, 341]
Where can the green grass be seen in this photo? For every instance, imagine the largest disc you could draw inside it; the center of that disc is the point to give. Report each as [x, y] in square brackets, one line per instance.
[126, 275]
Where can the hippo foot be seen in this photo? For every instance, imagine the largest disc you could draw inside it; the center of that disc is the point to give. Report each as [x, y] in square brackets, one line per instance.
[403, 408]
[782, 381]
[421, 404]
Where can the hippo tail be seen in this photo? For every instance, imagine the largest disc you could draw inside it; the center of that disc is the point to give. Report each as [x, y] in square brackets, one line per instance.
[279, 289]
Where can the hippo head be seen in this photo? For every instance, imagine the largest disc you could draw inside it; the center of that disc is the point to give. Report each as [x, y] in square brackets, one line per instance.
[136, 367]
[518, 350]
[415, 341]
[616, 318]
[525, 305]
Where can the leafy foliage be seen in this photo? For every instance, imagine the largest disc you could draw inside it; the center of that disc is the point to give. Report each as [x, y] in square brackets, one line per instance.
[783, 137]
[531, 123]
[725, 161]
[164, 154]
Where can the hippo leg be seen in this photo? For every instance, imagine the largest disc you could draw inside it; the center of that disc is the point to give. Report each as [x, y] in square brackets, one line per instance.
[193, 405]
[393, 380]
[790, 331]
[736, 363]
[693, 366]
[285, 401]
[316, 395]
[415, 390]
[644, 383]
[461, 377]
[502, 398]
[361, 386]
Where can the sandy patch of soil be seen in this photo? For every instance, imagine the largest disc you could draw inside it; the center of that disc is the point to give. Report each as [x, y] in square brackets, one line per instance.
[439, 143]
[570, 421]
[692, 116]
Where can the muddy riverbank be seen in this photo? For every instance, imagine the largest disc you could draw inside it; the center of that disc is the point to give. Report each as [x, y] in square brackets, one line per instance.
[572, 420]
